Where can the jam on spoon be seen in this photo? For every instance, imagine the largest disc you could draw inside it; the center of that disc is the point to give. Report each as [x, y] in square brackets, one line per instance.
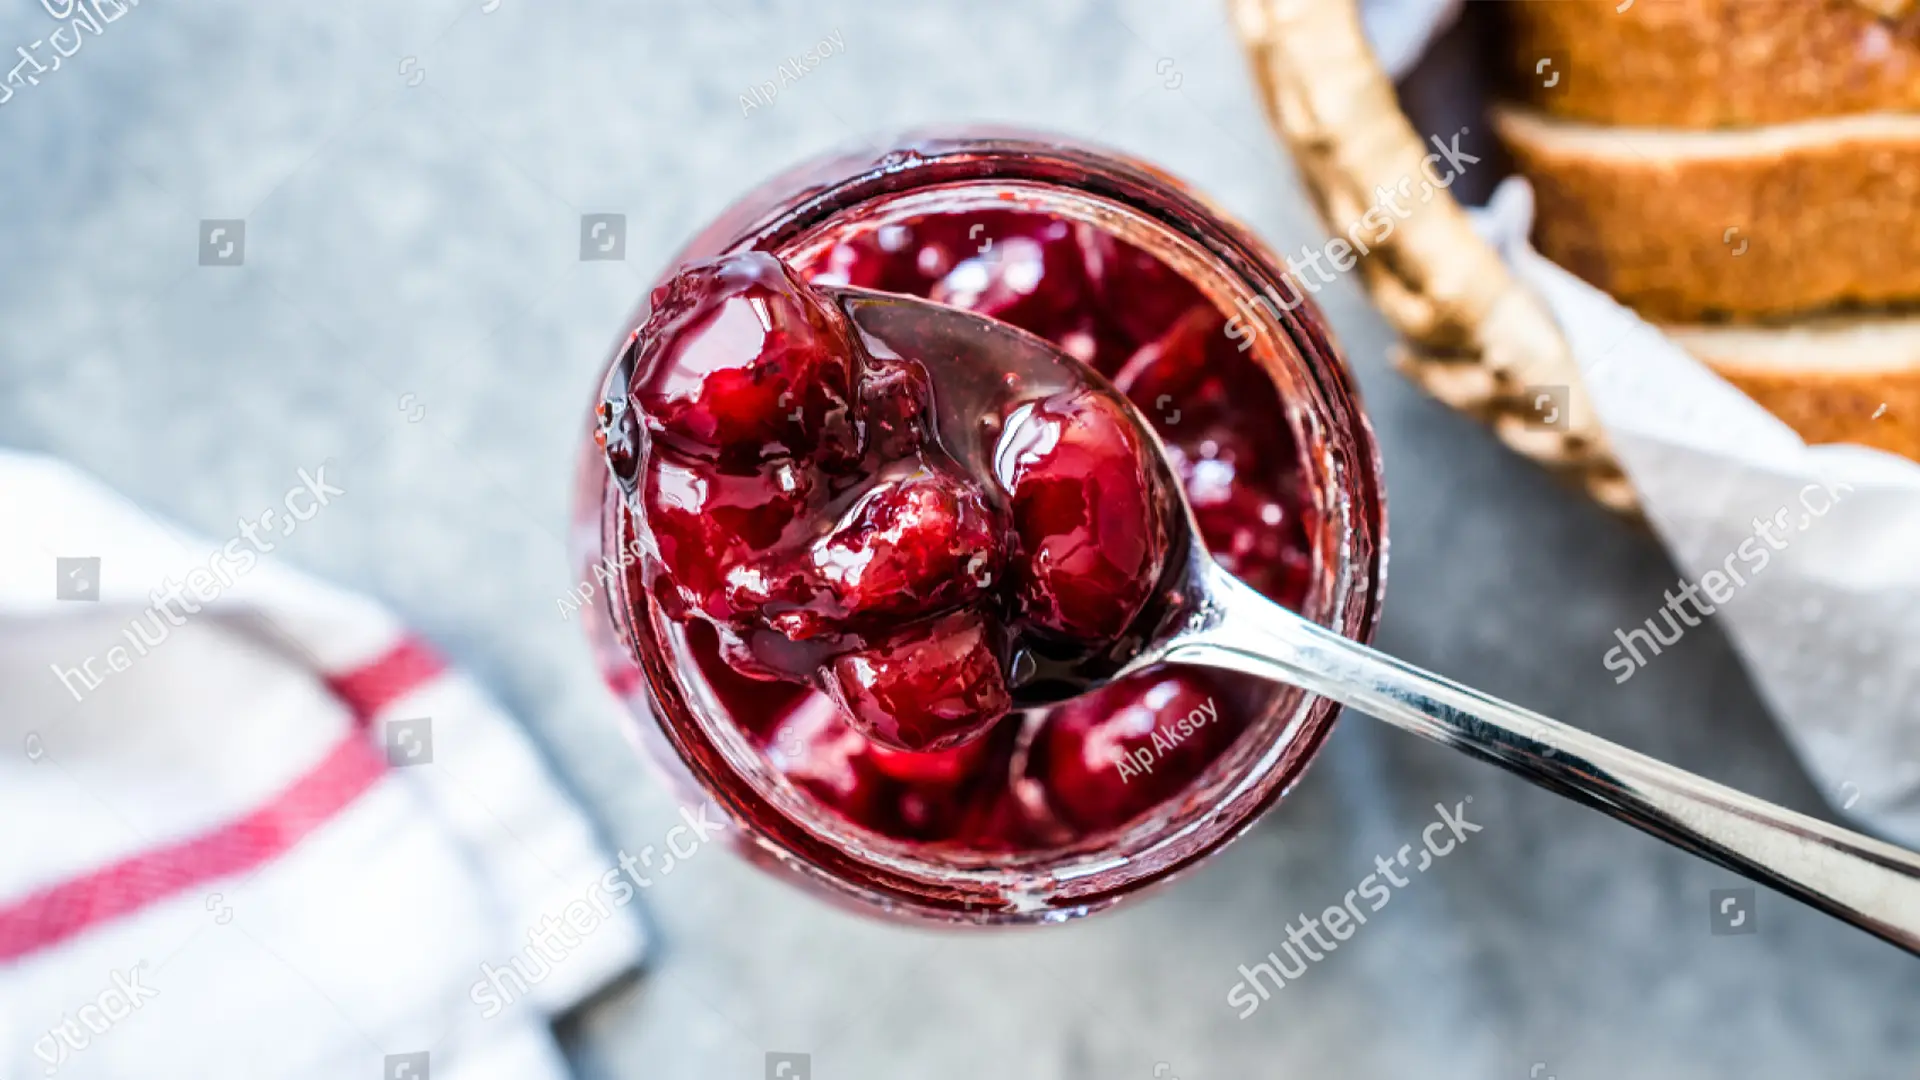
[865, 582]
[886, 511]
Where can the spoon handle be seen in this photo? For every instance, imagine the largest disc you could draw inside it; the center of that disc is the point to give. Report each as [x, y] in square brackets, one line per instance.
[1867, 882]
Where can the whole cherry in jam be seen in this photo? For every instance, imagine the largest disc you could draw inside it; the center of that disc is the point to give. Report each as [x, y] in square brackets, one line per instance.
[1033, 276]
[1089, 518]
[926, 687]
[924, 541]
[1112, 755]
[857, 501]
[741, 362]
[822, 755]
[1138, 321]
[808, 503]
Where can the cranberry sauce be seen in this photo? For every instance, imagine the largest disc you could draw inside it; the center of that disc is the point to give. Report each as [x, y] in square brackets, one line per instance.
[863, 531]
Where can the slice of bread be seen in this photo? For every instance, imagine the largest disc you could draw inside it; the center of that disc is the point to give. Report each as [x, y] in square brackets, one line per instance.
[1712, 63]
[1833, 380]
[1744, 159]
[1749, 224]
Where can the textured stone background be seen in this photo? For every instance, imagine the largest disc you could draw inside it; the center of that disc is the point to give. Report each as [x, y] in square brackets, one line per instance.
[420, 238]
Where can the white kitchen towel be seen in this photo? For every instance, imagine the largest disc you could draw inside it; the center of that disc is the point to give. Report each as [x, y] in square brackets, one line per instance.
[250, 826]
[1808, 557]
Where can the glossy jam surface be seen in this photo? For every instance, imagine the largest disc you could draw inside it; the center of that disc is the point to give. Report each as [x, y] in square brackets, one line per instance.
[856, 571]
[894, 502]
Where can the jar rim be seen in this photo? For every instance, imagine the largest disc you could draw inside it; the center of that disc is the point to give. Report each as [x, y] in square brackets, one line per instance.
[1343, 467]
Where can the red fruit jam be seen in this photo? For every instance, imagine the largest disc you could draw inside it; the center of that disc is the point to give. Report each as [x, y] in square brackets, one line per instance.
[891, 530]
[902, 559]
[832, 569]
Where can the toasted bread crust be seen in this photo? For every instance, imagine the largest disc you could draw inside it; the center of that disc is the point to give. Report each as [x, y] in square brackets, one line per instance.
[1838, 407]
[1682, 235]
[1712, 63]
[1833, 380]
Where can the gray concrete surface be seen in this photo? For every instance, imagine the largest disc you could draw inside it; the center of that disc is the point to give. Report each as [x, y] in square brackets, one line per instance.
[412, 229]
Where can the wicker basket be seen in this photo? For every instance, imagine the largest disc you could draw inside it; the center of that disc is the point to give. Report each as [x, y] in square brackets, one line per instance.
[1475, 337]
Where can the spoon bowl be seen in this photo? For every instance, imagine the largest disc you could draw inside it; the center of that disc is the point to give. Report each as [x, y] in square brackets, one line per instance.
[993, 352]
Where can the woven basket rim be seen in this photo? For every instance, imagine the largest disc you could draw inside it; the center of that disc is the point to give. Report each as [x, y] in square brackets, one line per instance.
[1476, 337]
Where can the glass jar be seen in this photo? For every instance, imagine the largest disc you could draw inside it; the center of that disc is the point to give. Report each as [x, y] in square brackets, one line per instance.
[677, 716]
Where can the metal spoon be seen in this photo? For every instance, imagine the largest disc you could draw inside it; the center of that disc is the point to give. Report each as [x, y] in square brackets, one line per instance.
[1206, 616]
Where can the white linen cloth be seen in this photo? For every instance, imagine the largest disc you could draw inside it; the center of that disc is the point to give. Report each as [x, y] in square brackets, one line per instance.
[210, 865]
